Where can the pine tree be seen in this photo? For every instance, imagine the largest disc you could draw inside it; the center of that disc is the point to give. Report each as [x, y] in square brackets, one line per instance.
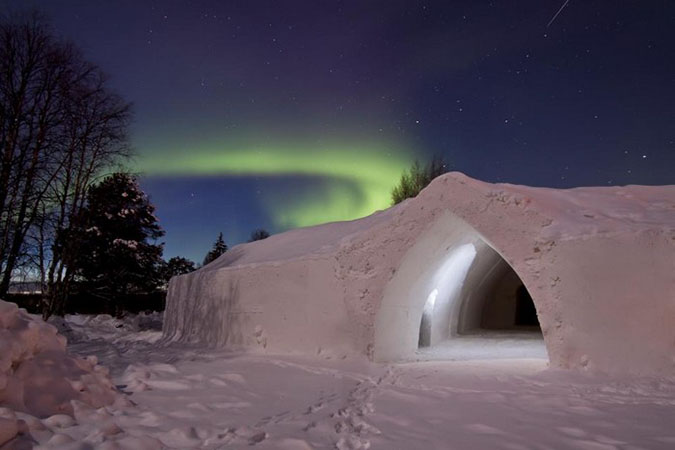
[177, 266]
[417, 178]
[259, 234]
[117, 255]
[219, 247]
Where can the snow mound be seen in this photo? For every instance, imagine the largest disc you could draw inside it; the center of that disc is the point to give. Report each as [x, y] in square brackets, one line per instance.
[39, 379]
[300, 242]
[596, 261]
[83, 327]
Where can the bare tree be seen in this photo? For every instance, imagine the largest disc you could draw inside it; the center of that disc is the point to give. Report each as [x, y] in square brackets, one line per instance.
[33, 71]
[97, 141]
[60, 129]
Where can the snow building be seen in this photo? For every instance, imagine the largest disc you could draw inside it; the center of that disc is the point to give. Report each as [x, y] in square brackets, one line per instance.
[588, 272]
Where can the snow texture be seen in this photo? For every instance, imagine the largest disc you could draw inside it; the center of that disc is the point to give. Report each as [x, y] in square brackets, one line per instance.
[41, 385]
[598, 263]
[183, 397]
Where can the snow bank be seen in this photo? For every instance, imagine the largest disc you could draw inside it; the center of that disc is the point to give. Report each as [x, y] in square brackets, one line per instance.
[77, 327]
[39, 380]
[598, 263]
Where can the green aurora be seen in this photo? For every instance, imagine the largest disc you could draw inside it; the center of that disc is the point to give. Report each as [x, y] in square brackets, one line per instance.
[355, 180]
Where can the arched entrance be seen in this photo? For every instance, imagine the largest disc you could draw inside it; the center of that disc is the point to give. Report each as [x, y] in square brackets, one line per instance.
[494, 297]
[455, 297]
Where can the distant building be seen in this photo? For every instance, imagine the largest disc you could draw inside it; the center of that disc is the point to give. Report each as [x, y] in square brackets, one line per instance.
[25, 288]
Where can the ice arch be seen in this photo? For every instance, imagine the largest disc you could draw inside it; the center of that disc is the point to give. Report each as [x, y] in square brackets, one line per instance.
[450, 282]
[446, 289]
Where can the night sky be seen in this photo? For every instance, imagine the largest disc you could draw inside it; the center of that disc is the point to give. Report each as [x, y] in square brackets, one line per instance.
[279, 114]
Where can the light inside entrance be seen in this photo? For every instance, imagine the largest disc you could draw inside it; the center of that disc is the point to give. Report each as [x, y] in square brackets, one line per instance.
[478, 308]
[453, 296]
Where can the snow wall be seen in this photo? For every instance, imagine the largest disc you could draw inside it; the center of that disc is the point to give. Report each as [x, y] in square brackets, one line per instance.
[598, 262]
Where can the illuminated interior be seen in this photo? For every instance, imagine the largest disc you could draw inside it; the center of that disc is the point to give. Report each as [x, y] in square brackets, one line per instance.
[455, 297]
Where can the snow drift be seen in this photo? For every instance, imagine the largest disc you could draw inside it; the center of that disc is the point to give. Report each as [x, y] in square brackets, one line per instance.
[39, 380]
[597, 262]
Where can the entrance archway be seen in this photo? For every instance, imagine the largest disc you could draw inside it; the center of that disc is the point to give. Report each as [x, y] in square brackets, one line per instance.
[455, 297]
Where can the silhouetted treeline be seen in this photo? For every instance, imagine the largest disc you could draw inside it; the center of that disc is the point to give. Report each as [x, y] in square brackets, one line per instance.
[219, 247]
[258, 235]
[70, 217]
[416, 178]
[60, 128]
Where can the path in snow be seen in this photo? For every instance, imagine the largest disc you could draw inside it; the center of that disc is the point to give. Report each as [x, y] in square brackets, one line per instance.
[487, 346]
[195, 398]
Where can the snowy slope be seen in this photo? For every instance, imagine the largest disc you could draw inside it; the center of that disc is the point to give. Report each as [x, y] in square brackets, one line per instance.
[301, 242]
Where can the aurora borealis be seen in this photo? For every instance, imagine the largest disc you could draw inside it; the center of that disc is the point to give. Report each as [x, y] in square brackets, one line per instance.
[279, 114]
[355, 179]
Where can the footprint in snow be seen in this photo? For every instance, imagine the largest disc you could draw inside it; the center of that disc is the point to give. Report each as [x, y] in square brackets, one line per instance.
[314, 408]
[591, 445]
[217, 382]
[168, 385]
[229, 405]
[234, 377]
[292, 444]
[199, 406]
[481, 428]
[572, 431]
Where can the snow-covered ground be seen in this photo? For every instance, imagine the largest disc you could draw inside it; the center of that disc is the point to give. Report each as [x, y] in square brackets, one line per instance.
[487, 345]
[182, 397]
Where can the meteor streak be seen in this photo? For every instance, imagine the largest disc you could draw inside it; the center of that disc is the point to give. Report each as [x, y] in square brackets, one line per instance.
[558, 13]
